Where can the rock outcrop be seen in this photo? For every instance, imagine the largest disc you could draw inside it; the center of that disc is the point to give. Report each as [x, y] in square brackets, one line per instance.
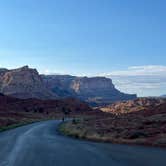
[27, 83]
[94, 90]
[60, 84]
[23, 83]
[130, 106]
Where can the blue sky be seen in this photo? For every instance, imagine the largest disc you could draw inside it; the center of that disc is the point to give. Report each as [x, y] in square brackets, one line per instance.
[90, 37]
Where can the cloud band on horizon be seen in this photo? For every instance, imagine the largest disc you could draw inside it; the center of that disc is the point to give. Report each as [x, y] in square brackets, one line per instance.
[147, 80]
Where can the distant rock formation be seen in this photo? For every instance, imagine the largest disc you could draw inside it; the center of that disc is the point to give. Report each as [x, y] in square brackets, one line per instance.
[94, 90]
[59, 84]
[25, 83]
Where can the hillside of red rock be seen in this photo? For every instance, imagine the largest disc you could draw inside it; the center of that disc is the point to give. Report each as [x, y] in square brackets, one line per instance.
[132, 105]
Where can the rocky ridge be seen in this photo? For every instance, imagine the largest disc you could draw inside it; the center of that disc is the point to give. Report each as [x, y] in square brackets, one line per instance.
[25, 83]
[94, 90]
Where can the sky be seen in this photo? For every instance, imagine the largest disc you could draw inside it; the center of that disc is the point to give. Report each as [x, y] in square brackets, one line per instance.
[122, 39]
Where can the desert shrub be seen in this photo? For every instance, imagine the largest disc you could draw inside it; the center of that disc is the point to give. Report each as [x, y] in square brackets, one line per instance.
[75, 121]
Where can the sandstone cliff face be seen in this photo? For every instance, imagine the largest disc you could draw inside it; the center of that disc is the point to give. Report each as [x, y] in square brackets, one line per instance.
[24, 83]
[85, 85]
[59, 84]
[27, 83]
[95, 90]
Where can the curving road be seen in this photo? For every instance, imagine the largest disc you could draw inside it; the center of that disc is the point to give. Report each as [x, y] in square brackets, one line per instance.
[39, 144]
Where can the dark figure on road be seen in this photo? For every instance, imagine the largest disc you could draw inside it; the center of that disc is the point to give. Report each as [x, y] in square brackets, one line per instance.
[63, 119]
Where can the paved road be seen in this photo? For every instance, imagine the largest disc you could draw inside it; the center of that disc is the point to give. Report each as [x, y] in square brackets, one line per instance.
[40, 145]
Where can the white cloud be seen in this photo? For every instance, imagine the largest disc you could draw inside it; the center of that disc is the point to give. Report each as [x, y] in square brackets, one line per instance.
[144, 80]
[52, 72]
[140, 71]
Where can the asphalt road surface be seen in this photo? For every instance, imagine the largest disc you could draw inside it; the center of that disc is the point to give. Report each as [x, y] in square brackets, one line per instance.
[39, 144]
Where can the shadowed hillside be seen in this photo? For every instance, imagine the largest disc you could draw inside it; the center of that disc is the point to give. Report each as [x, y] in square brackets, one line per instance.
[17, 111]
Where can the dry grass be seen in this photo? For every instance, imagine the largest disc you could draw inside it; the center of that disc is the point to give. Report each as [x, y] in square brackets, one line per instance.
[127, 129]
